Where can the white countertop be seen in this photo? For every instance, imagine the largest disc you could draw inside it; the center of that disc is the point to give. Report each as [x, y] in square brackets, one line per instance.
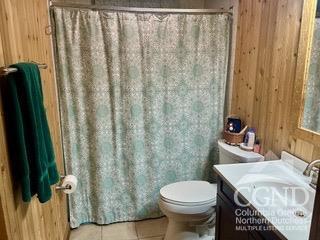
[277, 189]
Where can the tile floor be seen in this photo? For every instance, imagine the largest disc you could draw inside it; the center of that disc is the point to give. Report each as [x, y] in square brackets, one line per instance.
[153, 229]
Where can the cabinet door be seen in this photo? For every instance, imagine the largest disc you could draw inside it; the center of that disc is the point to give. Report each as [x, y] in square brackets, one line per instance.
[226, 223]
[255, 236]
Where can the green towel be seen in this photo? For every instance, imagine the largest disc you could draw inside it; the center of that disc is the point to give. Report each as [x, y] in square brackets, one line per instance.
[29, 136]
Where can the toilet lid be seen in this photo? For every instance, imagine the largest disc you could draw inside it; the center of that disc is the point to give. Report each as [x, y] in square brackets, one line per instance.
[189, 192]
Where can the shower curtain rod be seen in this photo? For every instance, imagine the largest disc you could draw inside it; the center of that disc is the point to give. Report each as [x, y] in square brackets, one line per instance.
[135, 9]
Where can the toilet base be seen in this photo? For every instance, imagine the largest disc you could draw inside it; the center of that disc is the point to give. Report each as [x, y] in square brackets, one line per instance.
[190, 220]
[185, 231]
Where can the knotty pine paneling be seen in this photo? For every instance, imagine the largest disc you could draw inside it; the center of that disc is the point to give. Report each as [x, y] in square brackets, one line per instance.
[23, 38]
[218, 4]
[267, 43]
[3, 229]
[146, 3]
[265, 60]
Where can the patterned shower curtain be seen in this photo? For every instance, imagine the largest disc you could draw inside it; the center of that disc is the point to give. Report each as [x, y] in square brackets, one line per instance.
[311, 116]
[142, 104]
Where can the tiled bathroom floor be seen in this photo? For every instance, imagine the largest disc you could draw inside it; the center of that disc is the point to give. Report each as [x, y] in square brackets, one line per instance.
[153, 229]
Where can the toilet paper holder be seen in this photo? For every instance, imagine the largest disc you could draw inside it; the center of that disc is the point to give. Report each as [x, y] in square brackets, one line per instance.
[61, 187]
[67, 184]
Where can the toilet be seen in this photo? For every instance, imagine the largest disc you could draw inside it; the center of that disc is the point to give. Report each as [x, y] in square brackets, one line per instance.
[190, 205]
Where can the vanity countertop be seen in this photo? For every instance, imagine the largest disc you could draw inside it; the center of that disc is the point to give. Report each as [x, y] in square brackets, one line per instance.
[277, 189]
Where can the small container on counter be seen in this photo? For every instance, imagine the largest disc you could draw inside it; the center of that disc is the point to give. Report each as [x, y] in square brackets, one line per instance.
[257, 146]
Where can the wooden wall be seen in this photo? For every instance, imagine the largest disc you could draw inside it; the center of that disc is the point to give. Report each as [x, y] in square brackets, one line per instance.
[23, 38]
[215, 4]
[266, 57]
[265, 61]
[145, 3]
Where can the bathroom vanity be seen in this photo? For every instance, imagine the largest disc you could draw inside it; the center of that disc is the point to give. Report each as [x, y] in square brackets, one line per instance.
[264, 200]
[249, 227]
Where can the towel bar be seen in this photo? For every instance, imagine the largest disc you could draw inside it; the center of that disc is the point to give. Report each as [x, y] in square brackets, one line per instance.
[7, 70]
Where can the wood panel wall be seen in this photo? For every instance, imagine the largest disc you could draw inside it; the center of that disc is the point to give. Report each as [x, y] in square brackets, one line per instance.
[23, 38]
[145, 3]
[265, 63]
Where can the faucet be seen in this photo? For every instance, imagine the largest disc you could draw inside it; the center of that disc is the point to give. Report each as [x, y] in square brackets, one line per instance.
[307, 172]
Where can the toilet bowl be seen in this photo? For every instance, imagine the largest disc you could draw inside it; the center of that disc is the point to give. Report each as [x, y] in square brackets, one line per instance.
[190, 205]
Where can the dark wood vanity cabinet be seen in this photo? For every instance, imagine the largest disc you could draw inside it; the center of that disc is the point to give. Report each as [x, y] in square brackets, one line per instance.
[228, 212]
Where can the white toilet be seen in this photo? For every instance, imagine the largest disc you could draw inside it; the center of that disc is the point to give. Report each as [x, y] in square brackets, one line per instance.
[190, 205]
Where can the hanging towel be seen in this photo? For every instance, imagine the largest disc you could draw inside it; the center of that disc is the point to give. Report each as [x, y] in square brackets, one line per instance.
[29, 135]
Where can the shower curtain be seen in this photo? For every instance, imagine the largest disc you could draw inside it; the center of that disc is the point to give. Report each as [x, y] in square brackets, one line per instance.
[142, 104]
[311, 116]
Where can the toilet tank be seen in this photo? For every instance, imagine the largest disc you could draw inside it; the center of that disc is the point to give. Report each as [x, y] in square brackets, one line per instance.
[233, 154]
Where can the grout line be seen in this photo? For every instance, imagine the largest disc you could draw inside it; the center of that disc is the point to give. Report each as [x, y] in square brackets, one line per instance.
[137, 237]
[135, 227]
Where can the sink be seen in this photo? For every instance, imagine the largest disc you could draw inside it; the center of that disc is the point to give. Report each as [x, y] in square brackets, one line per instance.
[294, 200]
[277, 190]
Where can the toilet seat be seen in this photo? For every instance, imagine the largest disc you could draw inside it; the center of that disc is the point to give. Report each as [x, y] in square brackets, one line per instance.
[189, 192]
[186, 210]
[188, 197]
[210, 202]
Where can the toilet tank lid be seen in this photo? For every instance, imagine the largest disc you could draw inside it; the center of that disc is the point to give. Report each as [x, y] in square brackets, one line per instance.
[189, 191]
[238, 152]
